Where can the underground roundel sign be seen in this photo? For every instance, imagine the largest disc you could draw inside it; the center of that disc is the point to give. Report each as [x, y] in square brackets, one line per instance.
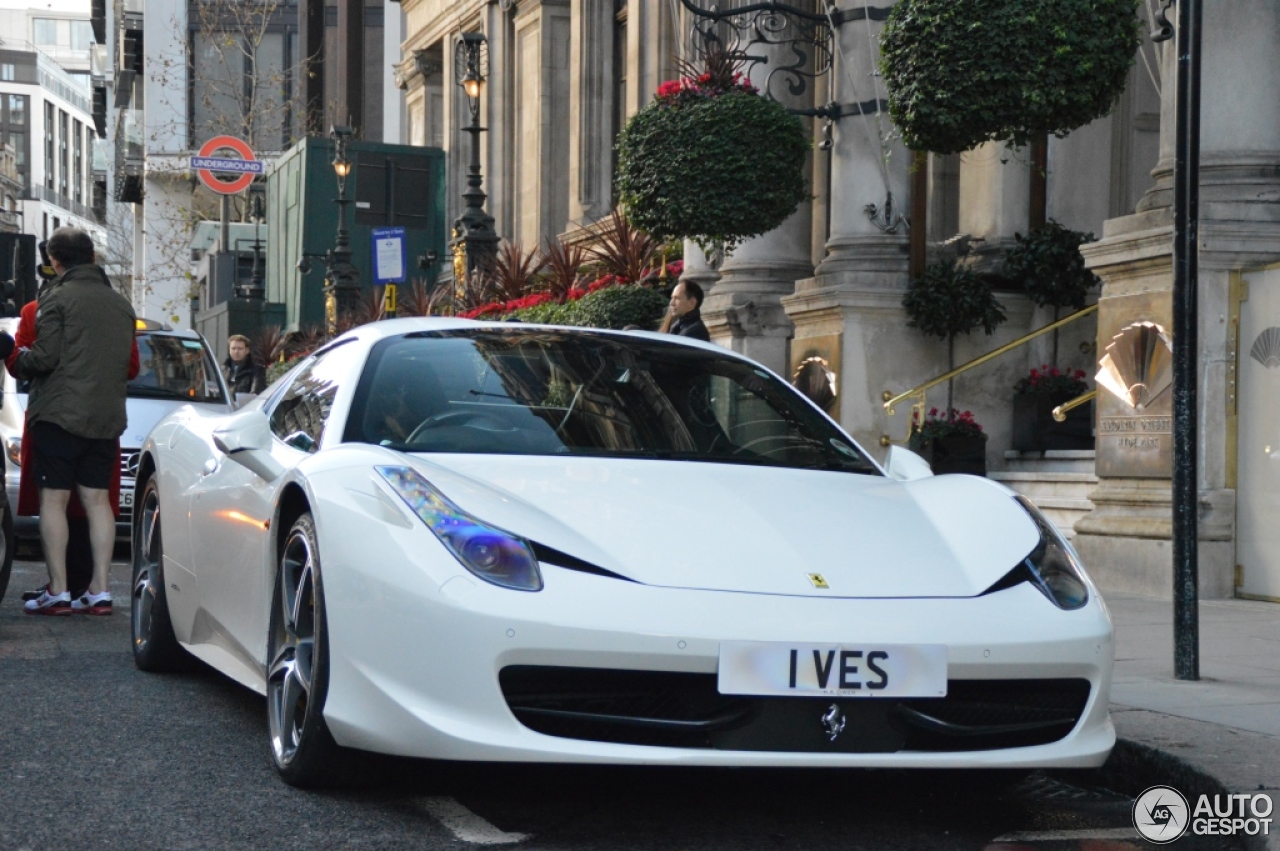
[226, 165]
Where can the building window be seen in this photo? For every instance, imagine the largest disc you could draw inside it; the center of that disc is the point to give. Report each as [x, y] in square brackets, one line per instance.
[50, 151]
[44, 32]
[7, 71]
[18, 141]
[81, 35]
[17, 110]
[78, 193]
[64, 152]
[619, 72]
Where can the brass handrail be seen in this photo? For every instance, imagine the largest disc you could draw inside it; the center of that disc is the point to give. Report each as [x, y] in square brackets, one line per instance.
[891, 401]
[1060, 412]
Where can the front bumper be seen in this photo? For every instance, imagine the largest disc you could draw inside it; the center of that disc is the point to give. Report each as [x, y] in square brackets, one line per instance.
[416, 655]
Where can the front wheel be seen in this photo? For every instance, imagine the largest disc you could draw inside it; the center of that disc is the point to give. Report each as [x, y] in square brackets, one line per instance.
[155, 648]
[302, 748]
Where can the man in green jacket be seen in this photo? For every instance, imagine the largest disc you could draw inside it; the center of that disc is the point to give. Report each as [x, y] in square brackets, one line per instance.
[79, 367]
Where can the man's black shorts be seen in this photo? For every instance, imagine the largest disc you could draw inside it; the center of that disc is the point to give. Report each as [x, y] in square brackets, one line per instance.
[64, 460]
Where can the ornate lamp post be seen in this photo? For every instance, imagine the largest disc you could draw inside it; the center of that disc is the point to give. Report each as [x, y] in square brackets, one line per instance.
[474, 240]
[342, 279]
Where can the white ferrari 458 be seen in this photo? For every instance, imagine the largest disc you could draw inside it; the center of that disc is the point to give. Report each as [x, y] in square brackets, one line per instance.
[502, 542]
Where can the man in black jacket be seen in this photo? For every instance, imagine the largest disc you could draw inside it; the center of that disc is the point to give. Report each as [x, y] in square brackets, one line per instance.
[79, 366]
[683, 317]
[243, 373]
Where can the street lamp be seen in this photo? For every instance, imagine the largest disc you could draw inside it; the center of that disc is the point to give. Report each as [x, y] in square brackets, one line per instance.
[255, 289]
[342, 278]
[474, 240]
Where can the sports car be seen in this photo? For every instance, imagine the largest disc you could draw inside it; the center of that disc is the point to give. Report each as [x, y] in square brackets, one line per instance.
[476, 541]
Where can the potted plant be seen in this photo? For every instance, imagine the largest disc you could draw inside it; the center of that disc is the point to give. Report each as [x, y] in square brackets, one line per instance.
[948, 300]
[951, 443]
[1048, 265]
[963, 73]
[1035, 397]
[710, 159]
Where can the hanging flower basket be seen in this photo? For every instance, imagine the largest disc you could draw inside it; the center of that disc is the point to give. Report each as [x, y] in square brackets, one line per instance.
[711, 160]
[964, 72]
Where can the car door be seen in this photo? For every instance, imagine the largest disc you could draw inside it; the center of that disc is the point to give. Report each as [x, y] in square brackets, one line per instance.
[231, 510]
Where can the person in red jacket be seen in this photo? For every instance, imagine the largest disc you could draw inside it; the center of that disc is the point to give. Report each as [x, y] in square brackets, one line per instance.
[79, 553]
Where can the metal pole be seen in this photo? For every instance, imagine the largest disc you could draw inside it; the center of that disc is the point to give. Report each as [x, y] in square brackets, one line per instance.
[1186, 223]
[226, 223]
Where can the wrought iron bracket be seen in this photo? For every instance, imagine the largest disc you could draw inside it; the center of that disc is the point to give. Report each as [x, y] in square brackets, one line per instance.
[887, 220]
[833, 111]
[808, 39]
[1161, 28]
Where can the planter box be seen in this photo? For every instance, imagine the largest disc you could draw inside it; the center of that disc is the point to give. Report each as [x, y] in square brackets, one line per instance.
[954, 454]
[1034, 429]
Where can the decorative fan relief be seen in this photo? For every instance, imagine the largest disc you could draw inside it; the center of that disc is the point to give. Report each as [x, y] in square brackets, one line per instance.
[1266, 349]
[1138, 364]
[814, 378]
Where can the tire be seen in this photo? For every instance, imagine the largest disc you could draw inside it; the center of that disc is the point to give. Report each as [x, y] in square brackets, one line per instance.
[155, 648]
[8, 543]
[303, 750]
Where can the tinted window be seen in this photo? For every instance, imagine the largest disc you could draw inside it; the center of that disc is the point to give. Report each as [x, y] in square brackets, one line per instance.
[175, 368]
[550, 393]
[299, 417]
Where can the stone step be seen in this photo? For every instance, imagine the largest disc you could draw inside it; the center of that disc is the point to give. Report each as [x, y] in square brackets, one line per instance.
[1060, 460]
[1056, 503]
[1065, 476]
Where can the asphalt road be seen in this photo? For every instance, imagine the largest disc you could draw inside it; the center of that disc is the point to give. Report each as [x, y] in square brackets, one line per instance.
[96, 754]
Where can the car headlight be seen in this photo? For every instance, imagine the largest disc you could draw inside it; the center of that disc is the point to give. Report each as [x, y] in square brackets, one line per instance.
[491, 554]
[13, 448]
[1053, 566]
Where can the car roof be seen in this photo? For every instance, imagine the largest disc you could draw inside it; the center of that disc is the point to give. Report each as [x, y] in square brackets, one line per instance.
[385, 328]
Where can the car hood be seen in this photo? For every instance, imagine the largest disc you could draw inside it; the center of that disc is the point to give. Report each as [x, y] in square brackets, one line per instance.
[746, 528]
[145, 413]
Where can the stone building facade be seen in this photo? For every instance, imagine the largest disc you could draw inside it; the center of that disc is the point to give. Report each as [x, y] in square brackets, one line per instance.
[566, 74]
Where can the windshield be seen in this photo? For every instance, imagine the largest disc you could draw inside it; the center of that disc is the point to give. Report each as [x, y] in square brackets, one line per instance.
[175, 368]
[530, 392]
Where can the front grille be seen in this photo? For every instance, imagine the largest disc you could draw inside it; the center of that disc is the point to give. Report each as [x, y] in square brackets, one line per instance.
[668, 709]
[128, 471]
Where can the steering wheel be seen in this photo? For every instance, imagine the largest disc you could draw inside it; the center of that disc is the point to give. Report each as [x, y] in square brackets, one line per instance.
[463, 418]
[772, 438]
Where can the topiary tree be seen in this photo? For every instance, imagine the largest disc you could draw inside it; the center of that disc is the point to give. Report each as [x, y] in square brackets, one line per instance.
[964, 72]
[949, 300]
[1048, 264]
[711, 160]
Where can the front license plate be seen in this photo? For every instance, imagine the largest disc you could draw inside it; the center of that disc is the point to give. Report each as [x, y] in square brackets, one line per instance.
[847, 670]
[126, 499]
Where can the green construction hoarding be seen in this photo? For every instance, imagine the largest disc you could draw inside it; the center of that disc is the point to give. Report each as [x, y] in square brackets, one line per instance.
[389, 186]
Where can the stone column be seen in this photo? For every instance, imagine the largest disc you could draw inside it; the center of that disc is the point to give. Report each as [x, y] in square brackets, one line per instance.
[743, 311]
[702, 270]
[541, 152]
[590, 110]
[995, 199]
[1125, 541]
[850, 312]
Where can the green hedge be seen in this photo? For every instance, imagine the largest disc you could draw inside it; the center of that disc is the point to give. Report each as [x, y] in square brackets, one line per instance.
[612, 307]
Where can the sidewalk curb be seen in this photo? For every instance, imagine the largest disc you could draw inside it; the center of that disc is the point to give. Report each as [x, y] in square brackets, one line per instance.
[1135, 766]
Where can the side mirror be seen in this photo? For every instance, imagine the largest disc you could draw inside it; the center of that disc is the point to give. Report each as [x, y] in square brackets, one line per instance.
[245, 437]
[906, 466]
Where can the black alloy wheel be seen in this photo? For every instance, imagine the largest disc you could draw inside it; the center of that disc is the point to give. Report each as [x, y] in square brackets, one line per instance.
[302, 748]
[155, 648]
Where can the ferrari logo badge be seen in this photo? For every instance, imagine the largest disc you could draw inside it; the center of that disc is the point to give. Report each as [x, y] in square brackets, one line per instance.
[833, 721]
[818, 581]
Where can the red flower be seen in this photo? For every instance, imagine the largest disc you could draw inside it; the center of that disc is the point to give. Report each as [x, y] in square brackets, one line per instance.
[669, 89]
